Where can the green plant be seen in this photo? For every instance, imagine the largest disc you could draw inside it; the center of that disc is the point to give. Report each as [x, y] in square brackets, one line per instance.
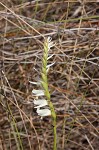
[45, 91]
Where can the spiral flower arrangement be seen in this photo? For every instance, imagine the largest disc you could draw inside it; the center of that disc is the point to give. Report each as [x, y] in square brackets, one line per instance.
[40, 103]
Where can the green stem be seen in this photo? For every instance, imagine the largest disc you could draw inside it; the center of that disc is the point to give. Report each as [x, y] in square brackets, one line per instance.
[53, 114]
[55, 134]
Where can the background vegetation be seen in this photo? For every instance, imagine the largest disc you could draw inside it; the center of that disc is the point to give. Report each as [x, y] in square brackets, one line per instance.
[73, 79]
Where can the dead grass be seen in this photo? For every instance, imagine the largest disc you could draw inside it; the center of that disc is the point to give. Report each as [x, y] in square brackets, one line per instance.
[73, 80]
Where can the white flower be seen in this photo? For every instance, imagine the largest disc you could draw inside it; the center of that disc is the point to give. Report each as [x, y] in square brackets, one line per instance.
[48, 66]
[35, 83]
[38, 92]
[40, 103]
[50, 44]
[43, 112]
[50, 56]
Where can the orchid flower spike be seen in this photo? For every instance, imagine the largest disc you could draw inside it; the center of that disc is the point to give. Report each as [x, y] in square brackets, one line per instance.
[40, 103]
